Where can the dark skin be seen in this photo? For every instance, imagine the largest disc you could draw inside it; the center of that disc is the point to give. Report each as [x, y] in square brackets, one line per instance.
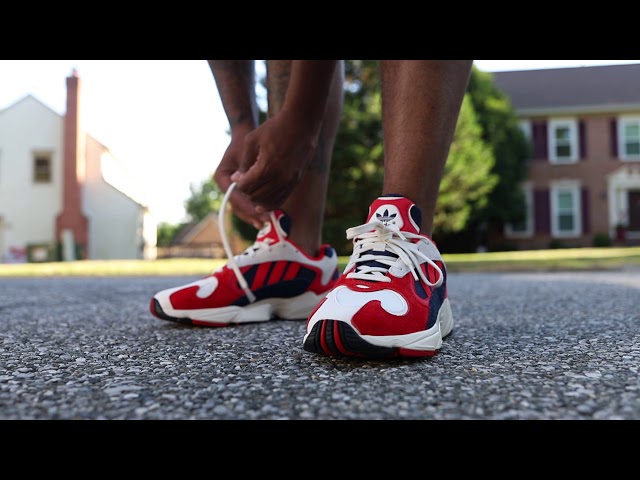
[309, 170]
[278, 152]
[421, 101]
[236, 85]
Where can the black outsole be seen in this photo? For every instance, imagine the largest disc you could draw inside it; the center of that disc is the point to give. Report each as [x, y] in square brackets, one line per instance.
[334, 332]
[157, 311]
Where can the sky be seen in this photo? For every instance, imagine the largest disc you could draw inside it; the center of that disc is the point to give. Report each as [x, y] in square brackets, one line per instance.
[163, 119]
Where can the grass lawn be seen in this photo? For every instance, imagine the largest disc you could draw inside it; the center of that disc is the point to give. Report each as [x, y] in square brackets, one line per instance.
[532, 260]
[546, 260]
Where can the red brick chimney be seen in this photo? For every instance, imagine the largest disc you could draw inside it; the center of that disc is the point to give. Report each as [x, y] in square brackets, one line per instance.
[72, 218]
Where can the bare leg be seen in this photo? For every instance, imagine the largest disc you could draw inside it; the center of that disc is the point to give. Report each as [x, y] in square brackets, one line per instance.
[306, 204]
[421, 101]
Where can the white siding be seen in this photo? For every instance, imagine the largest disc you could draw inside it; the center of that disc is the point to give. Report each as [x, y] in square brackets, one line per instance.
[119, 226]
[116, 221]
[28, 209]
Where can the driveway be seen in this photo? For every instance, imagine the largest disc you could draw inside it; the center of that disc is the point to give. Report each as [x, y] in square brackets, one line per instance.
[525, 346]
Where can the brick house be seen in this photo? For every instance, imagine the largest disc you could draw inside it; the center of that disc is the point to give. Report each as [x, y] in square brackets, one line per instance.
[584, 174]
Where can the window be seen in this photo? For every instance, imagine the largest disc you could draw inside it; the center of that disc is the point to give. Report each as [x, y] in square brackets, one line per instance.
[566, 209]
[42, 168]
[563, 141]
[525, 227]
[629, 138]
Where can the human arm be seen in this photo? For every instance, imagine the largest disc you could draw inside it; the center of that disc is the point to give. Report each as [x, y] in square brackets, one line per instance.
[277, 153]
[235, 80]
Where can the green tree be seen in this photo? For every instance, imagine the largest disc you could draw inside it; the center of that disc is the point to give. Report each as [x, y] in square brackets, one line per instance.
[511, 148]
[357, 166]
[205, 199]
[500, 130]
[166, 233]
[357, 173]
[467, 181]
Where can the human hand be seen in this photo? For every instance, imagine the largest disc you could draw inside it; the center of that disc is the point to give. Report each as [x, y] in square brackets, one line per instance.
[241, 205]
[274, 159]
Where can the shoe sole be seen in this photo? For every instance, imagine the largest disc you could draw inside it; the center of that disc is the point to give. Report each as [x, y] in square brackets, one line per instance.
[339, 339]
[298, 308]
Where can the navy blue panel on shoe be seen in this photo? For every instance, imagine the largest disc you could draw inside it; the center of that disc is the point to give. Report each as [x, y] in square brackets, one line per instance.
[434, 306]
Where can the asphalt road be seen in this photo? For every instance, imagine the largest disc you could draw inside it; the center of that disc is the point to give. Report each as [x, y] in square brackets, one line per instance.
[525, 346]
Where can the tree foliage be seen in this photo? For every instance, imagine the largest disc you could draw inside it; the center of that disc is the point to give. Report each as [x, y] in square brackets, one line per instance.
[205, 198]
[482, 176]
[467, 180]
[499, 130]
[357, 170]
[357, 166]
[166, 233]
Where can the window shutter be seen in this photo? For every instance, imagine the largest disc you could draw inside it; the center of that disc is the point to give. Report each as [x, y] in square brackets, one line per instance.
[582, 140]
[586, 225]
[614, 138]
[539, 134]
[542, 209]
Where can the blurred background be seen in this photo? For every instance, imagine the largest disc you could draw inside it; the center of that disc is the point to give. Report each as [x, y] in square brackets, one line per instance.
[113, 159]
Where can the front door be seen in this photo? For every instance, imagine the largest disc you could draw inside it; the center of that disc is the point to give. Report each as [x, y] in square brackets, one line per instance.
[634, 210]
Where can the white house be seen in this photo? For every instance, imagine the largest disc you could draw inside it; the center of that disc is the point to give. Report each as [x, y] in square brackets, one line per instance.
[63, 196]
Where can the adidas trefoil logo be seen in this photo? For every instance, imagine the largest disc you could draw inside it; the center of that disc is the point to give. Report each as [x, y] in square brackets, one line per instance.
[385, 218]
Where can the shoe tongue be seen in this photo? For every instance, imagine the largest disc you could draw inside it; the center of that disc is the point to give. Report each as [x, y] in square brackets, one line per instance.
[397, 210]
[268, 230]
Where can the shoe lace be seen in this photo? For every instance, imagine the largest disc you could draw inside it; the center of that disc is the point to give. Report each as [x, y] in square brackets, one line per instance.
[257, 245]
[372, 263]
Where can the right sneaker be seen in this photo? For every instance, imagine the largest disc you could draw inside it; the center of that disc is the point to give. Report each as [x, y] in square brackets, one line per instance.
[273, 278]
[391, 300]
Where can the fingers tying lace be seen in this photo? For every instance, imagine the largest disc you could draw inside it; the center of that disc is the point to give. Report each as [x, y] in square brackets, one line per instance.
[258, 245]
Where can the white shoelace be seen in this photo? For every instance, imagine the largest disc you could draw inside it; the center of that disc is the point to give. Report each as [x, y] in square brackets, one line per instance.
[391, 239]
[249, 251]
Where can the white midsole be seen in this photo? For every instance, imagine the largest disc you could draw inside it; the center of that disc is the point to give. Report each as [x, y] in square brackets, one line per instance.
[299, 307]
[427, 340]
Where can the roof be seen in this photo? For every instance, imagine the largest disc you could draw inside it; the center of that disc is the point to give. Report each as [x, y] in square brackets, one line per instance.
[572, 90]
[114, 172]
[190, 230]
[28, 97]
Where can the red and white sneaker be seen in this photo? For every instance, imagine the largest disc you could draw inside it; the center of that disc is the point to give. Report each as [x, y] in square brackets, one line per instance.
[272, 278]
[391, 300]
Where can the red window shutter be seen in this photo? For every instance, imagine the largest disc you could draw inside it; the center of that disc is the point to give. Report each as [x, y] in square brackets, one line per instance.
[582, 139]
[614, 137]
[586, 224]
[539, 136]
[542, 211]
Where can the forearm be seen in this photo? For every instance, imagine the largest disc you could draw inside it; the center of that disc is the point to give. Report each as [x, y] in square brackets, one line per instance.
[235, 80]
[308, 91]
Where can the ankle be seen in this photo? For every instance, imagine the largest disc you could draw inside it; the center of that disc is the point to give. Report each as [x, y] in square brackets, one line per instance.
[309, 246]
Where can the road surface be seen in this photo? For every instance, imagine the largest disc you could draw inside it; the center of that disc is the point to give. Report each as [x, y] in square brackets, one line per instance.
[525, 346]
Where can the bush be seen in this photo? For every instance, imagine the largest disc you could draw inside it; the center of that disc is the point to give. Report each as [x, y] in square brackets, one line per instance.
[602, 240]
[555, 243]
[505, 247]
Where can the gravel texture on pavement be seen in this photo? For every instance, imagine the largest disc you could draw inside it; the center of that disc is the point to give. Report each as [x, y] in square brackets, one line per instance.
[525, 346]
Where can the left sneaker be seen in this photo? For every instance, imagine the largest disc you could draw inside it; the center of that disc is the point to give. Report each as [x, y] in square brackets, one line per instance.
[391, 300]
[272, 279]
